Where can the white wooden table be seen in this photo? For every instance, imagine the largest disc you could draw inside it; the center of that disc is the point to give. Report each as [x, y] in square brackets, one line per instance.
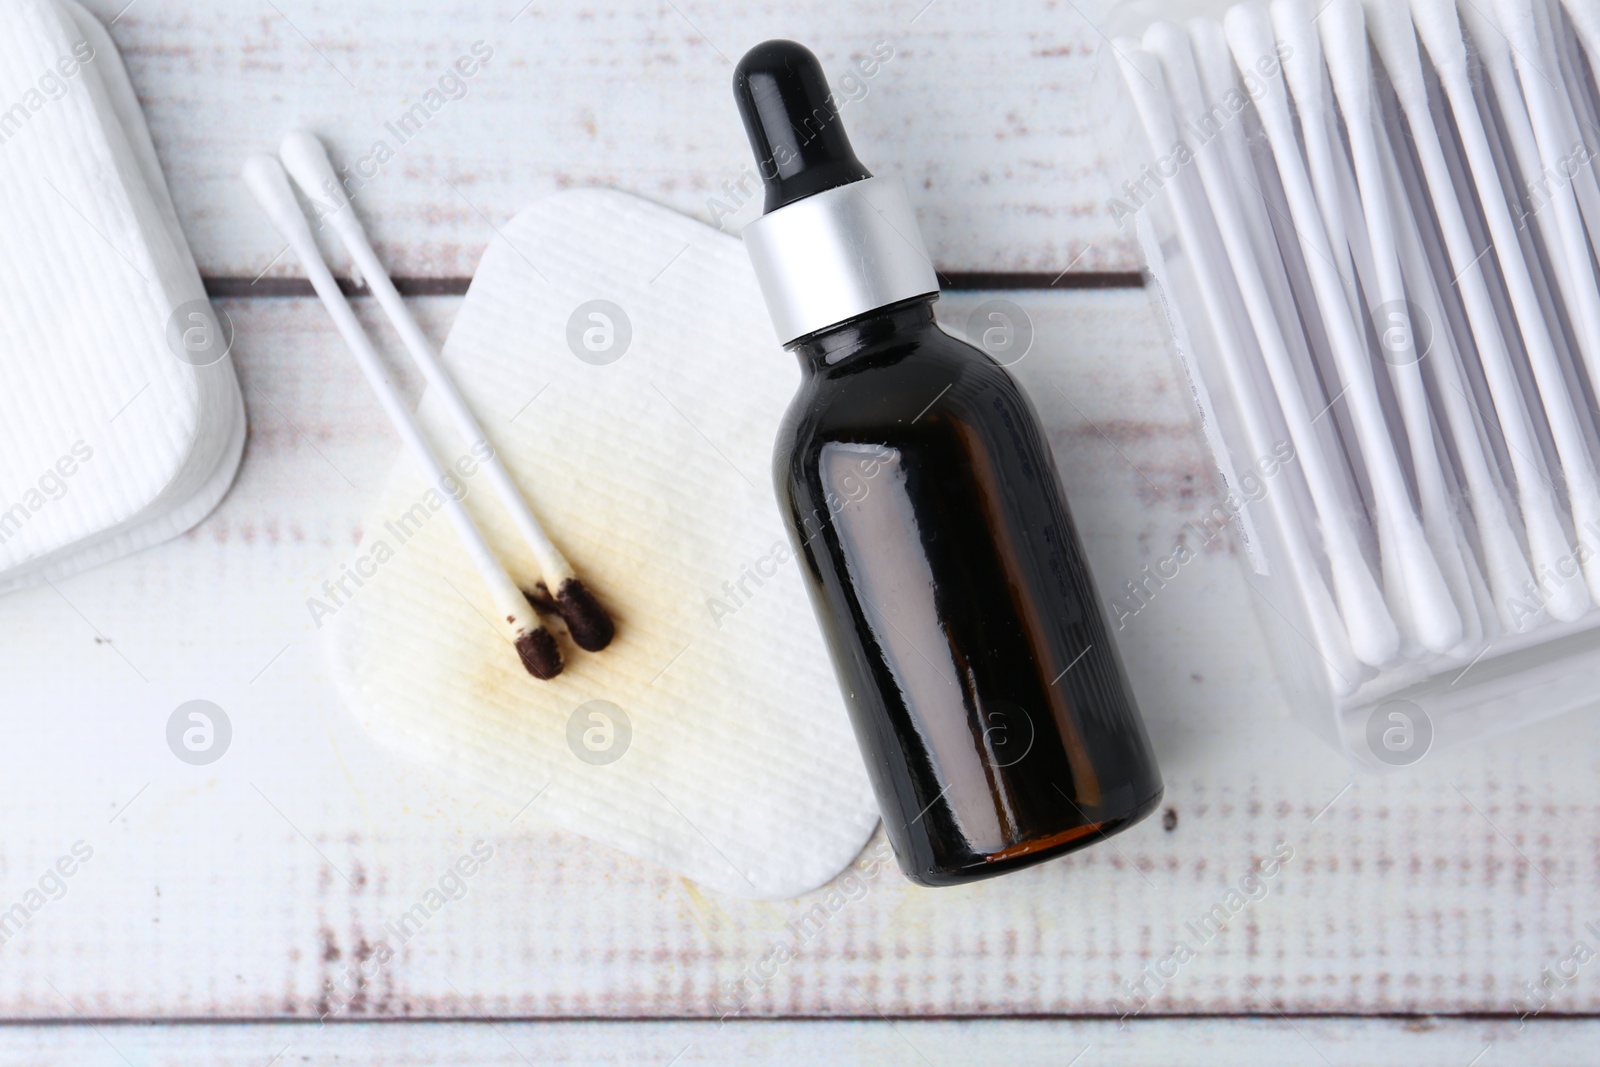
[221, 901]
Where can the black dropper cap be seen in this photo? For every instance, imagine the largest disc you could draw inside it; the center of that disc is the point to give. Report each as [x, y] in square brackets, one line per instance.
[794, 128]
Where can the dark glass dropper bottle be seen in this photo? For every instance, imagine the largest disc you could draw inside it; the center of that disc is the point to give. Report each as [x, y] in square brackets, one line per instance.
[989, 701]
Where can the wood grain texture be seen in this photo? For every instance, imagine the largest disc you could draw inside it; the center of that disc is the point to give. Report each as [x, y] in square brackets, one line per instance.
[259, 886]
[982, 109]
[1276, 1042]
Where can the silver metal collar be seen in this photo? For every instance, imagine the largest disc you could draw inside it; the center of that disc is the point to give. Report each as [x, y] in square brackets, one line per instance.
[839, 254]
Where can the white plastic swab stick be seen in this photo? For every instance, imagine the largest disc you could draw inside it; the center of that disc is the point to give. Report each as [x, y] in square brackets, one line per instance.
[1219, 80]
[1577, 134]
[1372, 633]
[1395, 37]
[1585, 15]
[1461, 571]
[1578, 59]
[1356, 251]
[1504, 562]
[1535, 63]
[1294, 22]
[1502, 555]
[1344, 44]
[1225, 101]
[307, 161]
[1225, 97]
[1301, 54]
[1461, 568]
[1494, 53]
[270, 185]
[1440, 29]
[1430, 607]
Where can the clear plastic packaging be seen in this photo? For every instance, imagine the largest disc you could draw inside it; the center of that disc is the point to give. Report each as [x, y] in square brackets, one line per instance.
[1372, 232]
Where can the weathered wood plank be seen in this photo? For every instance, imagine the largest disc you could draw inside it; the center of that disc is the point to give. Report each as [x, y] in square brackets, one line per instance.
[1273, 1042]
[980, 107]
[256, 887]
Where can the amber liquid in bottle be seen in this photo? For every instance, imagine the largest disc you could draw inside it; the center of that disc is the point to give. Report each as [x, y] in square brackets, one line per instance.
[987, 696]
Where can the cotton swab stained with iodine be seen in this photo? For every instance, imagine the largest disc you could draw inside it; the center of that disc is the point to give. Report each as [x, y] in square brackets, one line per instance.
[1345, 49]
[1428, 607]
[1441, 32]
[1372, 634]
[591, 628]
[1395, 37]
[534, 645]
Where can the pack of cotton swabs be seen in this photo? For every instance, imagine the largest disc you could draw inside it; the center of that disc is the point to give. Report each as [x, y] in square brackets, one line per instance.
[1373, 227]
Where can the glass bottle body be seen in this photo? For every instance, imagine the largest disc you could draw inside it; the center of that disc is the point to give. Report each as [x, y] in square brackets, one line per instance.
[989, 701]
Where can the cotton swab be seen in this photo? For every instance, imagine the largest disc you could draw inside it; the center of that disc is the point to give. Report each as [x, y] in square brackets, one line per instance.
[307, 161]
[1372, 634]
[1502, 559]
[1586, 20]
[1441, 32]
[1220, 97]
[1396, 334]
[1392, 31]
[1345, 48]
[1326, 162]
[1575, 118]
[1534, 60]
[1294, 22]
[534, 645]
[1428, 607]
[1494, 54]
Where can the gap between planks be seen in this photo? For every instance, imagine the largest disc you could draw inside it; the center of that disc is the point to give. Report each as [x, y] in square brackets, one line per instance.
[952, 281]
[1150, 1018]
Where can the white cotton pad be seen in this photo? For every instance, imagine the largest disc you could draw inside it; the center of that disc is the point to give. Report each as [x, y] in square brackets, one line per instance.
[651, 472]
[109, 442]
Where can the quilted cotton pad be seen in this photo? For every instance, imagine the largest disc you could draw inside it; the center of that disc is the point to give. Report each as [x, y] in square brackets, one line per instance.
[108, 441]
[642, 438]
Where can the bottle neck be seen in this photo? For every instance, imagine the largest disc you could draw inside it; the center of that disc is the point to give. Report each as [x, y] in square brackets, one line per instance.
[827, 348]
